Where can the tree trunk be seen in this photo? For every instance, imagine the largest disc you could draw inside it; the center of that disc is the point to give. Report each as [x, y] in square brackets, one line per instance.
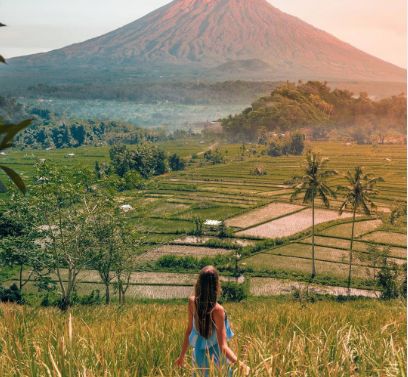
[351, 251]
[107, 293]
[21, 278]
[313, 240]
[123, 298]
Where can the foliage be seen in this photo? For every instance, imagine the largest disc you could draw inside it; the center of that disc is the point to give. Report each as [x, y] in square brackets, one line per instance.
[224, 231]
[61, 198]
[12, 294]
[176, 163]
[398, 215]
[234, 292]
[313, 105]
[387, 280]
[146, 158]
[214, 157]
[314, 186]
[293, 144]
[198, 226]
[175, 263]
[358, 194]
[18, 243]
[58, 132]
[7, 134]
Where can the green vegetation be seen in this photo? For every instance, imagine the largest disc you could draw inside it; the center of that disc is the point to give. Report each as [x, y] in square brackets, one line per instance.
[314, 186]
[164, 207]
[281, 146]
[324, 112]
[358, 194]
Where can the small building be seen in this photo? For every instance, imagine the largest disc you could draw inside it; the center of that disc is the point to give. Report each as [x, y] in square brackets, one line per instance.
[126, 208]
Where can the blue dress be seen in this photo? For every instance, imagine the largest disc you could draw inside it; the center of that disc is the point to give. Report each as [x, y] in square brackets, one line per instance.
[208, 349]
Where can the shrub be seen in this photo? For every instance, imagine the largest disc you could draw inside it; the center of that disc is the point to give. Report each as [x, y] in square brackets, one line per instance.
[387, 280]
[176, 162]
[11, 294]
[224, 231]
[214, 157]
[235, 292]
[198, 226]
[293, 144]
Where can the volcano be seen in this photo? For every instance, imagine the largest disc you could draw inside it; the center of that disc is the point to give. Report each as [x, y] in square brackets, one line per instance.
[220, 39]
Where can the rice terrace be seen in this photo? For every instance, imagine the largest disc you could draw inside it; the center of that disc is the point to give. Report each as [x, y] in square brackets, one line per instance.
[215, 189]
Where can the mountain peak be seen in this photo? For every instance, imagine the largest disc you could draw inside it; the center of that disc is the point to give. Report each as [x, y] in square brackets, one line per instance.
[202, 35]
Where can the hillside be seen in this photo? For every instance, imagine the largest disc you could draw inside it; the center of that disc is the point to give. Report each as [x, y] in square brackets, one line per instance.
[314, 105]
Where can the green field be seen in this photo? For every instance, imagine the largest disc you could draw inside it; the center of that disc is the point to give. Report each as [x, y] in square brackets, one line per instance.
[327, 338]
[164, 211]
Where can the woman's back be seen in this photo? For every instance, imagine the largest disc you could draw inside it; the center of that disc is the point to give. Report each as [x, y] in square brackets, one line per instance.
[200, 342]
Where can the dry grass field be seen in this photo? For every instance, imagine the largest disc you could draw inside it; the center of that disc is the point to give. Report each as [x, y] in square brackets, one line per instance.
[262, 214]
[292, 224]
[276, 338]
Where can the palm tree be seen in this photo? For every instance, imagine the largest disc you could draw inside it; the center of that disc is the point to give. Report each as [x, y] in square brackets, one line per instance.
[314, 186]
[358, 194]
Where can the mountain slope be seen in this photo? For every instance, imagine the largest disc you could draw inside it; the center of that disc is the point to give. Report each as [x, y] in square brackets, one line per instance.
[233, 38]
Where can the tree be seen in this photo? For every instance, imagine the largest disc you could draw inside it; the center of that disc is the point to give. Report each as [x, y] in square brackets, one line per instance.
[358, 194]
[119, 156]
[105, 227]
[18, 246]
[176, 162]
[314, 185]
[62, 204]
[126, 261]
[297, 144]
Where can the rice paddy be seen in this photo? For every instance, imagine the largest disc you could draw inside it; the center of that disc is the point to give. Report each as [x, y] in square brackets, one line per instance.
[292, 224]
[256, 207]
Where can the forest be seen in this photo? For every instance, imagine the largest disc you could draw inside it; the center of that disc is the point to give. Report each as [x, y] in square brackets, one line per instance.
[320, 111]
[49, 130]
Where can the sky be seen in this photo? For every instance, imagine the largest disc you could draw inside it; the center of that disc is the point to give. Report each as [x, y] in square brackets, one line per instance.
[375, 26]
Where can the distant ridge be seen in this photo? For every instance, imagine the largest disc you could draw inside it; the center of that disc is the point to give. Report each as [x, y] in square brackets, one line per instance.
[219, 39]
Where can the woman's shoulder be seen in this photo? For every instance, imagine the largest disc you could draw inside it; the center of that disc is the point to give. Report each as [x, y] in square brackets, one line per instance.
[218, 310]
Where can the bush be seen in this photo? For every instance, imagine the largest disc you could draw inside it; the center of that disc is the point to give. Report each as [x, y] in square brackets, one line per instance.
[198, 226]
[11, 294]
[214, 157]
[94, 298]
[175, 263]
[387, 280]
[176, 162]
[224, 231]
[293, 144]
[234, 292]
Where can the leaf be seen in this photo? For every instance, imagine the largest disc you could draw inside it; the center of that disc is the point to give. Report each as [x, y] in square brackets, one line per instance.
[7, 132]
[3, 188]
[16, 179]
[2, 60]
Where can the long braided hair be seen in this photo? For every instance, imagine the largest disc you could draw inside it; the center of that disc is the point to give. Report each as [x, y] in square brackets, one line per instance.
[207, 290]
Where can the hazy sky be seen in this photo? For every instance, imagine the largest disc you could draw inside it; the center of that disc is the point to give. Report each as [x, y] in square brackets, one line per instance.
[375, 26]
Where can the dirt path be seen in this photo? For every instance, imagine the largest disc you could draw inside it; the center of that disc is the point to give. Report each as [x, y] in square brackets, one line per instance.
[210, 148]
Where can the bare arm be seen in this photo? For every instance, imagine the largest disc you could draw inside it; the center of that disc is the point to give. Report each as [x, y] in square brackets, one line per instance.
[180, 360]
[219, 319]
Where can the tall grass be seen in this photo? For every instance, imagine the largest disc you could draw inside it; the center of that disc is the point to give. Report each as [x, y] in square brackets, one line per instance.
[275, 337]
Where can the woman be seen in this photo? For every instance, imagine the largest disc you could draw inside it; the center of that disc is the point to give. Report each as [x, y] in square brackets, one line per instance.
[208, 327]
